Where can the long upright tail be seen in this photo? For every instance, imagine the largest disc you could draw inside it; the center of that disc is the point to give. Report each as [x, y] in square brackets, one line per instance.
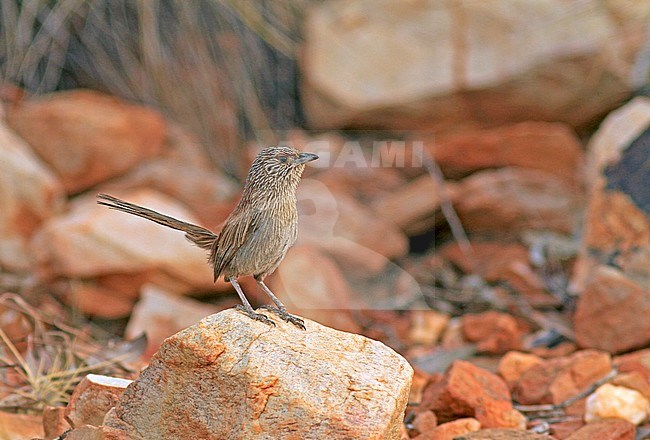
[203, 238]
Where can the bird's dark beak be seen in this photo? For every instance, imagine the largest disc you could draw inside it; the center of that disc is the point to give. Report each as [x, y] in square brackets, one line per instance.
[306, 157]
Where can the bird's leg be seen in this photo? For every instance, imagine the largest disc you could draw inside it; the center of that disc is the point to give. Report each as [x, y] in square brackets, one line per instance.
[280, 309]
[245, 306]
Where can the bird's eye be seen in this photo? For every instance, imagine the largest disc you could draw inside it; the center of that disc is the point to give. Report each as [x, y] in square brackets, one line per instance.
[283, 159]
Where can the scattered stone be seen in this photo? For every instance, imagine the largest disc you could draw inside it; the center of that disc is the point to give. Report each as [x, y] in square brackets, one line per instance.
[427, 326]
[20, 426]
[611, 401]
[239, 378]
[309, 283]
[451, 430]
[92, 240]
[514, 364]
[424, 421]
[508, 71]
[513, 200]
[637, 361]
[92, 398]
[493, 332]
[558, 379]
[633, 380]
[54, 422]
[470, 391]
[502, 434]
[413, 207]
[86, 136]
[160, 314]
[610, 429]
[30, 194]
[550, 147]
[607, 311]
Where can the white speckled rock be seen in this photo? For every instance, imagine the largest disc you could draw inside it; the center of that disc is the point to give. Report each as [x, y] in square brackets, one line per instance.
[231, 377]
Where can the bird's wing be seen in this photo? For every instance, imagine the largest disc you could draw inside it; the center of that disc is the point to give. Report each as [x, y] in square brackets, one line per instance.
[239, 227]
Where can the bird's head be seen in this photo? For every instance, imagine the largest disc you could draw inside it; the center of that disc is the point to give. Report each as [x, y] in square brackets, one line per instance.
[279, 164]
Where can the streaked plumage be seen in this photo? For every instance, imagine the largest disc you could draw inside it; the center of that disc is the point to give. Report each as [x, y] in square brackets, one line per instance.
[259, 231]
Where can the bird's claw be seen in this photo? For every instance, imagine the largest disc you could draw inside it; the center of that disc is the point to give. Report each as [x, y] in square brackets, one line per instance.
[255, 316]
[285, 316]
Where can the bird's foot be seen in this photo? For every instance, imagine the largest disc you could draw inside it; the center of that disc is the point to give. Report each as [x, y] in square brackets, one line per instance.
[286, 316]
[254, 316]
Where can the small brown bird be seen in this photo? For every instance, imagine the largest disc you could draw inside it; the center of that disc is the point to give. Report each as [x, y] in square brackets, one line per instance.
[257, 234]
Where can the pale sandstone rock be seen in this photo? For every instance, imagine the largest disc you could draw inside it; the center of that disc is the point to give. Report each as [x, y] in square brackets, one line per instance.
[86, 136]
[93, 398]
[30, 194]
[611, 401]
[92, 240]
[231, 377]
[406, 65]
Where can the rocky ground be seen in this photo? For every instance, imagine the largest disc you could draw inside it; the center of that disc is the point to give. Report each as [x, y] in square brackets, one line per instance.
[480, 271]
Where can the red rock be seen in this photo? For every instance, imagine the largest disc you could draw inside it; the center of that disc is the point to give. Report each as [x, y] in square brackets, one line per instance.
[20, 426]
[562, 430]
[493, 332]
[451, 430]
[637, 361]
[30, 194]
[424, 421]
[611, 429]
[413, 207]
[550, 147]
[54, 422]
[514, 363]
[607, 313]
[207, 191]
[309, 283]
[556, 380]
[470, 391]
[617, 226]
[515, 199]
[633, 380]
[92, 399]
[86, 136]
